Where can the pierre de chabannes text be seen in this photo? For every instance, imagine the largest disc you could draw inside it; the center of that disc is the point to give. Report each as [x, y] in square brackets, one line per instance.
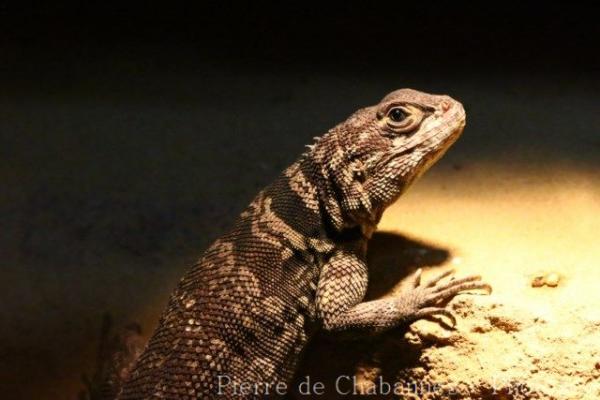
[344, 385]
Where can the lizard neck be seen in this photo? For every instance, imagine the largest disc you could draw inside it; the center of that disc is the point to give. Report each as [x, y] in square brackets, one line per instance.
[325, 195]
[295, 200]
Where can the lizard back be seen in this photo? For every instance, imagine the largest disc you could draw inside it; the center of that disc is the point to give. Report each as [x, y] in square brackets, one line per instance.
[244, 311]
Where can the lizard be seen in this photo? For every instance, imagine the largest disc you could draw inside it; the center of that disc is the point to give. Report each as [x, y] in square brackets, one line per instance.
[295, 260]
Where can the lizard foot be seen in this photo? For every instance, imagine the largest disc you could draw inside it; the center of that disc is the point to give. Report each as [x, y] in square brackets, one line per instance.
[423, 299]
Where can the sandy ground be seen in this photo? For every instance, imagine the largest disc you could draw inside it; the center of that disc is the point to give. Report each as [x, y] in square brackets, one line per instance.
[110, 192]
[522, 341]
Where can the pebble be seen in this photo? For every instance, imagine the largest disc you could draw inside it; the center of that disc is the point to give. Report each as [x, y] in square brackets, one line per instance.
[537, 281]
[552, 279]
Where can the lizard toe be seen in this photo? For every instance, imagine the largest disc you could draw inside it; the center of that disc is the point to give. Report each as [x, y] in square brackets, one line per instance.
[455, 289]
[434, 281]
[430, 311]
[456, 282]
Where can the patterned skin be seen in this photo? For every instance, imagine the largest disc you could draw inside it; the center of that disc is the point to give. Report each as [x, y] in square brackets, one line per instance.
[295, 260]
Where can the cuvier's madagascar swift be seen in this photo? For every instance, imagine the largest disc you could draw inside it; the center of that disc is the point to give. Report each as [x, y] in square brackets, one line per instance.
[295, 258]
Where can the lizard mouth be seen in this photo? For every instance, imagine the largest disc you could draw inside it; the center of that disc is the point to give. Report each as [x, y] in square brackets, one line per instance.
[433, 152]
[429, 155]
[441, 147]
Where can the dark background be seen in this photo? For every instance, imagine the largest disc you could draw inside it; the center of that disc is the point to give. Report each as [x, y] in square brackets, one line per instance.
[131, 136]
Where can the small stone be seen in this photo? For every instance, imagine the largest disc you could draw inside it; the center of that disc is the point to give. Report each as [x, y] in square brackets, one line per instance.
[537, 281]
[597, 365]
[552, 279]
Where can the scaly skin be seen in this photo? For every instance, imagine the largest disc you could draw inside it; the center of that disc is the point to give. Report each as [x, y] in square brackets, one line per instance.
[295, 259]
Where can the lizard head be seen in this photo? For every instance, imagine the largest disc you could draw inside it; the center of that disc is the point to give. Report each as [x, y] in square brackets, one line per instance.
[369, 160]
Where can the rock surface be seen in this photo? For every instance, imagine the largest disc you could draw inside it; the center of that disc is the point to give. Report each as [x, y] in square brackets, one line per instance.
[505, 350]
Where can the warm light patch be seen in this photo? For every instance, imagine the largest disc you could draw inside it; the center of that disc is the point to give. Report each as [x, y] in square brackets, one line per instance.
[514, 225]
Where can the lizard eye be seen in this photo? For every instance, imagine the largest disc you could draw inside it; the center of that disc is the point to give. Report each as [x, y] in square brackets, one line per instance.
[396, 114]
[403, 119]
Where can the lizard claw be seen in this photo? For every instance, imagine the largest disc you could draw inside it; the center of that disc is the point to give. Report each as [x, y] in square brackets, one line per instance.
[430, 311]
[421, 301]
[432, 282]
[450, 289]
[457, 282]
[415, 279]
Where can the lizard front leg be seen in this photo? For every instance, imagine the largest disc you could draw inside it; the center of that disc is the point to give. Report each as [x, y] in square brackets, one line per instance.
[343, 284]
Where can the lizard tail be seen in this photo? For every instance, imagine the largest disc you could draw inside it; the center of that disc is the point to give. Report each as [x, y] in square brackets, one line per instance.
[117, 354]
